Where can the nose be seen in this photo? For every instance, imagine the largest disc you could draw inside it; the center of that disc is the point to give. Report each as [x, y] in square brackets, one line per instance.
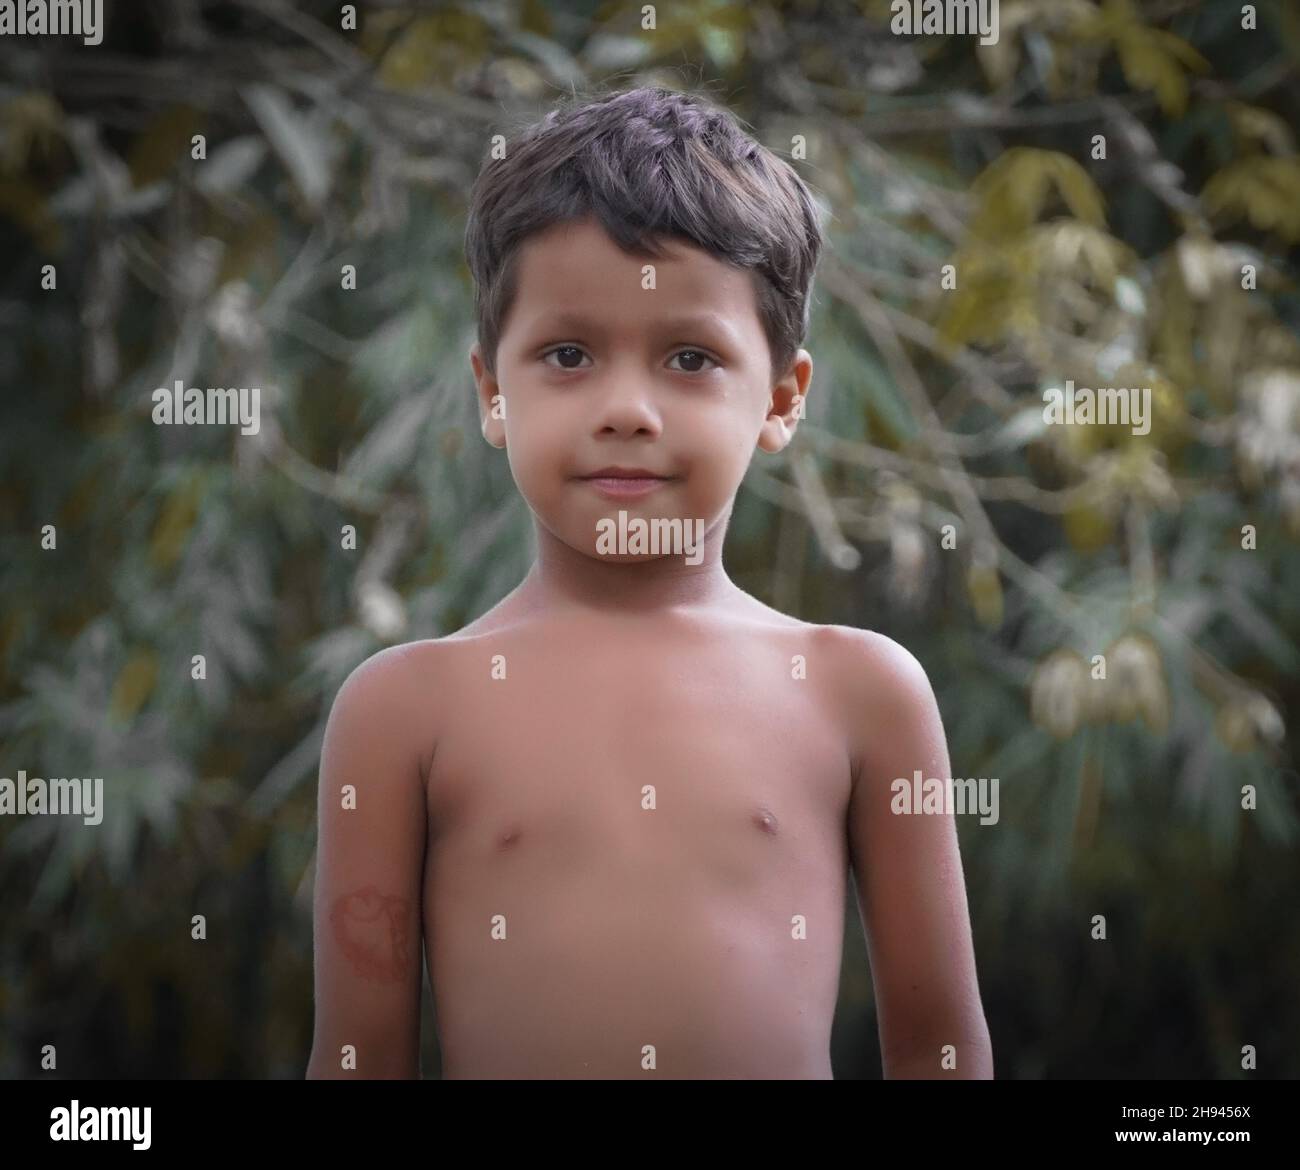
[627, 407]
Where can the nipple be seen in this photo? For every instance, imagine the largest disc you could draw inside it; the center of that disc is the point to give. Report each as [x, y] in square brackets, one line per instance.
[765, 819]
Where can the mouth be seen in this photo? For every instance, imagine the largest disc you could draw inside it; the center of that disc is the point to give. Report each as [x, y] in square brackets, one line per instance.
[625, 482]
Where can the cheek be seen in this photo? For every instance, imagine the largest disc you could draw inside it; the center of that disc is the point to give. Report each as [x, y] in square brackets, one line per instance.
[720, 452]
[527, 456]
[727, 437]
[537, 443]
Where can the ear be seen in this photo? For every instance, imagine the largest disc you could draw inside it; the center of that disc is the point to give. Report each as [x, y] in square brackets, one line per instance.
[787, 405]
[491, 413]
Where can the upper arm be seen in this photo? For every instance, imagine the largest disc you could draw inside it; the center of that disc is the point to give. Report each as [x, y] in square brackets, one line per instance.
[371, 818]
[908, 871]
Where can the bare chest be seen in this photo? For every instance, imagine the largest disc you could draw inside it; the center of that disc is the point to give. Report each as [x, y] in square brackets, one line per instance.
[709, 756]
[631, 840]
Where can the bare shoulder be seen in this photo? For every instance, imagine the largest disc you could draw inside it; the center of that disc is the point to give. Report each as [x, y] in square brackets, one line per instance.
[418, 678]
[759, 611]
[390, 702]
[386, 676]
[874, 661]
[862, 663]
[882, 692]
[865, 673]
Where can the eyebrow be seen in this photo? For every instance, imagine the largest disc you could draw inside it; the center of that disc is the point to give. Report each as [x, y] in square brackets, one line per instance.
[689, 323]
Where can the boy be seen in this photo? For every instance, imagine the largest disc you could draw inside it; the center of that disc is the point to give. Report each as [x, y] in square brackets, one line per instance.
[621, 806]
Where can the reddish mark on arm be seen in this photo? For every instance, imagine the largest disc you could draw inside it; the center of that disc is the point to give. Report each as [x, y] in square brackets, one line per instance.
[373, 932]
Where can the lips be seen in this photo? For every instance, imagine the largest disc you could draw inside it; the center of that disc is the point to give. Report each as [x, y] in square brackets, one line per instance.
[625, 482]
[624, 473]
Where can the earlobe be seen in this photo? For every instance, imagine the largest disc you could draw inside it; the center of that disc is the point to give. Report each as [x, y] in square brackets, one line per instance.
[488, 393]
[493, 433]
[775, 435]
[778, 427]
[788, 406]
[494, 427]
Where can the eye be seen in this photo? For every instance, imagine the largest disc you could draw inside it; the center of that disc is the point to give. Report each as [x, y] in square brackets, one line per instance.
[568, 351]
[694, 355]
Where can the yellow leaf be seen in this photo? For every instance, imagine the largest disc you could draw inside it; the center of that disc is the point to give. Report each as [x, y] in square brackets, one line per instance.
[1012, 191]
[164, 140]
[1256, 124]
[1145, 67]
[534, 18]
[986, 594]
[1066, 248]
[31, 121]
[1175, 46]
[983, 307]
[134, 685]
[249, 241]
[1088, 529]
[1157, 60]
[1264, 189]
[174, 523]
[433, 47]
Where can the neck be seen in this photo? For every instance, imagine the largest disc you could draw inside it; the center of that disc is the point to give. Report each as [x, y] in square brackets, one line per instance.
[561, 576]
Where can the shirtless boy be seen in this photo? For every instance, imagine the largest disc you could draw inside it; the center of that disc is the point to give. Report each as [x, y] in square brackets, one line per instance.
[620, 809]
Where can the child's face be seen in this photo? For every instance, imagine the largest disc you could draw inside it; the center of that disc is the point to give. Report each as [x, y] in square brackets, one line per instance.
[597, 371]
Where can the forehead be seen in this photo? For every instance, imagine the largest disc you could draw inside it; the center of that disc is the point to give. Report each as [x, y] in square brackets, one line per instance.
[575, 272]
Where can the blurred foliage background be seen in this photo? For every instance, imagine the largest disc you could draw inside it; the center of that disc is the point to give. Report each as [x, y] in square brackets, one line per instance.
[327, 145]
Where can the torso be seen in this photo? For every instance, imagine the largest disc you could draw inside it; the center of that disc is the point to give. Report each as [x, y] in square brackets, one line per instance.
[625, 928]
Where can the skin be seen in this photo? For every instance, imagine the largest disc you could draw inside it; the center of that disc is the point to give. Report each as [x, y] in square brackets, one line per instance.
[628, 857]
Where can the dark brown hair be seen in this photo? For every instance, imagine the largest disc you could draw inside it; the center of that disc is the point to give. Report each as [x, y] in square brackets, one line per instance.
[649, 163]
